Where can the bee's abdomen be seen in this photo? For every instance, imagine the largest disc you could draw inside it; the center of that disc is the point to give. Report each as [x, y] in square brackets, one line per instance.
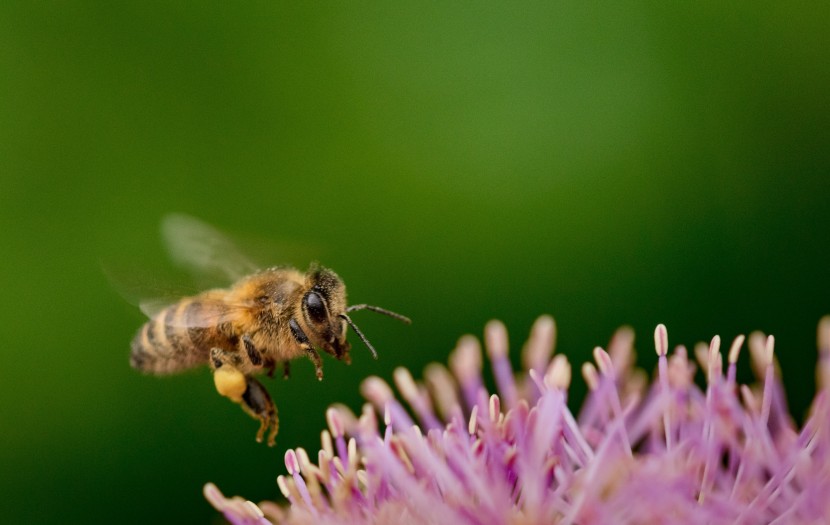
[163, 345]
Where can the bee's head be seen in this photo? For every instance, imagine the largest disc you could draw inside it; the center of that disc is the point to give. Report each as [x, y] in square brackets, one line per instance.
[325, 312]
[323, 306]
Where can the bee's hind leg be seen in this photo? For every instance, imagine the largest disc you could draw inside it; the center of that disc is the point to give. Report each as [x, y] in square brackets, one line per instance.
[258, 404]
[246, 391]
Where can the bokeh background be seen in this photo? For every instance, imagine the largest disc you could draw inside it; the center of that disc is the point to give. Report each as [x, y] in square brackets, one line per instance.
[631, 163]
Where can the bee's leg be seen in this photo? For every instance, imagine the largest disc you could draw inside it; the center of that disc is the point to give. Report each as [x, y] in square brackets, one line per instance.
[253, 354]
[315, 358]
[246, 391]
[304, 343]
[286, 369]
[258, 404]
[270, 365]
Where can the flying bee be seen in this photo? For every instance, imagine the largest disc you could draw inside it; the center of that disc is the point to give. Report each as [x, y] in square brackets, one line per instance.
[265, 319]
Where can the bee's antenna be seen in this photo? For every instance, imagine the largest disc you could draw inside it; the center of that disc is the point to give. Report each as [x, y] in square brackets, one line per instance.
[360, 335]
[379, 310]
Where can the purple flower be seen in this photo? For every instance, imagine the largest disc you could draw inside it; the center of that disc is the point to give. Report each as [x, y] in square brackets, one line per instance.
[638, 452]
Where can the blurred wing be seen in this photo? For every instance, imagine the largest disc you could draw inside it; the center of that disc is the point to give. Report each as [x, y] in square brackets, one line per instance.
[150, 292]
[200, 312]
[213, 260]
[202, 249]
[152, 306]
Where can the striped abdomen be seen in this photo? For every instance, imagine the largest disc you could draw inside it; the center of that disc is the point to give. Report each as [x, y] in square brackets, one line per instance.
[179, 337]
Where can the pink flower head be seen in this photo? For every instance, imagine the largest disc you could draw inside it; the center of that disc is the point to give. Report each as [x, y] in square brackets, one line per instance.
[638, 452]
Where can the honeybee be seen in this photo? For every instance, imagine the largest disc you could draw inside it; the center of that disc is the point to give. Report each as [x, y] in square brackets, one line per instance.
[264, 319]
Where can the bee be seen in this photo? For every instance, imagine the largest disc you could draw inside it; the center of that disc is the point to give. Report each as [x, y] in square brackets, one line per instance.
[264, 319]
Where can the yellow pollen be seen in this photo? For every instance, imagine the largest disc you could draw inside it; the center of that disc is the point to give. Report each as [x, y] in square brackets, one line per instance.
[230, 383]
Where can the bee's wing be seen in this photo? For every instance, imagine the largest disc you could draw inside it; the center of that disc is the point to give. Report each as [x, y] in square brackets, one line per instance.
[205, 312]
[150, 292]
[154, 294]
[153, 305]
[212, 259]
[202, 249]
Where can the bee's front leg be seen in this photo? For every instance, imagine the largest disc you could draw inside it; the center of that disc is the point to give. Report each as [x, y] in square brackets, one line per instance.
[306, 345]
[246, 391]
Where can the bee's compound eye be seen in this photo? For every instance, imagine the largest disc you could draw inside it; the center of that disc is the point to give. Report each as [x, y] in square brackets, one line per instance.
[315, 307]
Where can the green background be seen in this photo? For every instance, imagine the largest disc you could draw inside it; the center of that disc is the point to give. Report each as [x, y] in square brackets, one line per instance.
[630, 163]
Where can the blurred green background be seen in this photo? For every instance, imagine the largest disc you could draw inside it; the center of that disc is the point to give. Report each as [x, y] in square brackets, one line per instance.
[633, 163]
